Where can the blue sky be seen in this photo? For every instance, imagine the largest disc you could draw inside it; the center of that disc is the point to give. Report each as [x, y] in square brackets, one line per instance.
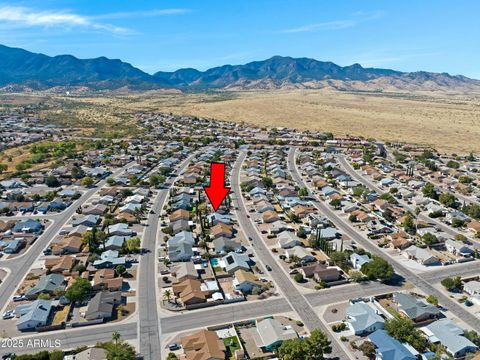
[408, 35]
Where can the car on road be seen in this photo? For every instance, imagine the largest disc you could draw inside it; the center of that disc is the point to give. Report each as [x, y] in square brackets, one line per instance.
[10, 314]
[268, 267]
[152, 211]
[250, 238]
[173, 347]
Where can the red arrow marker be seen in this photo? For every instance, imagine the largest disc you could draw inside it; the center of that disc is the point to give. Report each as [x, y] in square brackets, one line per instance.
[217, 191]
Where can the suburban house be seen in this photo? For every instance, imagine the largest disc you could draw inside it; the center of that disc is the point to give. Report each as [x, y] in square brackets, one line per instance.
[48, 284]
[203, 345]
[180, 246]
[459, 248]
[422, 256]
[472, 288]
[363, 318]
[271, 333]
[288, 240]
[320, 272]
[388, 348]
[301, 253]
[245, 281]
[234, 261]
[223, 244]
[359, 260]
[190, 292]
[414, 308]
[33, 315]
[101, 306]
[447, 333]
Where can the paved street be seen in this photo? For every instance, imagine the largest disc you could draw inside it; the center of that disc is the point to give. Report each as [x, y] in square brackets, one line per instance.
[223, 314]
[73, 338]
[149, 326]
[408, 274]
[296, 299]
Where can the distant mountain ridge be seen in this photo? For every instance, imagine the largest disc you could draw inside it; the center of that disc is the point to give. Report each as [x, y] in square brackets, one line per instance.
[22, 68]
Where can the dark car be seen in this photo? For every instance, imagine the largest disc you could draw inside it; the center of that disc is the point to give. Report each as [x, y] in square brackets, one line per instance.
[268, 267]
[173, 346]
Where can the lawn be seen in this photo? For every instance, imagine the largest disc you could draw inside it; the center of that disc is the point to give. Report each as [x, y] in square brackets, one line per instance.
[232, 344]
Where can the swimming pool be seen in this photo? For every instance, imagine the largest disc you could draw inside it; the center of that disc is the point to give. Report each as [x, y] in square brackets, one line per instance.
[214, 262]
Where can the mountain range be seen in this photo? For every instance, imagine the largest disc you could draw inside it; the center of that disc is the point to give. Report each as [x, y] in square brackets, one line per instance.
[21, 69]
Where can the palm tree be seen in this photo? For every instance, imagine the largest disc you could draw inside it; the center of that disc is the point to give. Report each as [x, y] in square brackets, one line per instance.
[116, 337]
[167, 295]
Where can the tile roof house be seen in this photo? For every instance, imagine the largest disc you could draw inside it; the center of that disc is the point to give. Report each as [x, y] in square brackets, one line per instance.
[184, 270]
[203, 345]
[363, 318]
[245, 281]
[190, 292]
[447, 333]
[221, 229]
[105, 279]
[179, 214]
[271, 333]
[320, 272]
[414, 308]
[270, 216]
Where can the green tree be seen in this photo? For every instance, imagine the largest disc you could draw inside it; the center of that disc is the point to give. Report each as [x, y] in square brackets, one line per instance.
[267, 182]
[336, 203]
[368, 349]
[79, 290]
[133, 244]
[87, 181]
[118, 349]
[403, 330]
[429, 191]
[452, 284]
[429, 239]
[447, 199]
[431, 299]
[120, 269]
[408, 224]
[298, 278]
[172, 356]
[303, 192]
[3, 168]
[52, 181]
[378, 268]
[312, 348]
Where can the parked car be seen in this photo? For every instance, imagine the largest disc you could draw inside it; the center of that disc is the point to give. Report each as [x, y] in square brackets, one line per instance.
[173, 346]
[18, 297]
[10, 314]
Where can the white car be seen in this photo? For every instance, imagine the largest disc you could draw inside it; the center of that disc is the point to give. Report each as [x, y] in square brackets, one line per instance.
[18, 298]
[10, 314]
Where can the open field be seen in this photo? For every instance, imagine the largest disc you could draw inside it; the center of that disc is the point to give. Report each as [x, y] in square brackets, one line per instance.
[446, 122]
